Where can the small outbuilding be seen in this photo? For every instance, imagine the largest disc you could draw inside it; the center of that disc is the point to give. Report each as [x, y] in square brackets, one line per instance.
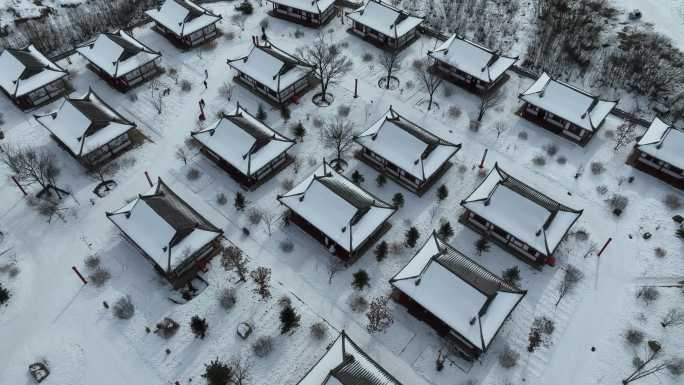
[248, 149]
[384, 25]
[345, 218]
[527, 223]
[564, 110]
[471, 65]
[89, 129]
[456, 296]
[184, 22]
[121, 60]
[411, 155]
[29, 78]
[277, 76]
[174, 237]
[345, 363]
[311, 13]
[660, 152]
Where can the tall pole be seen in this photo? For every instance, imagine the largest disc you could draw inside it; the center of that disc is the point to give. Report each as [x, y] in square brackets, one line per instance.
[484, 156]
[149, 180]
[604, 247]
[356, 88]
[19, 185]
[78, 273]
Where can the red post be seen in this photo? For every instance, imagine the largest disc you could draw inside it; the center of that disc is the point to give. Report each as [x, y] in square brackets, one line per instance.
[604, 247]
[19, 185]
[149, 180]
[79, 275]
[484, 156]
[356, 88]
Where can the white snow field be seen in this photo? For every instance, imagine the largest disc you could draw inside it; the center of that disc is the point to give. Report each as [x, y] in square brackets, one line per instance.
[52, 316]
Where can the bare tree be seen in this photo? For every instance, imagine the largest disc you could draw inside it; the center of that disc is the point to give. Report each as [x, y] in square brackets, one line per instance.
[330, 64]
[379, 315]
[31, 166]
[269, 217]
[157, 94]
[488, 100]
[642, 365]
[102, 171]
[427, 76]
[338, 133]
[571, 277]
[624, 134]
[390, 62]
[262, 277]
[182, 154]
[233, 258]
[238, 20]
[335, 265]
[500, 127]
[240, 372]
[674, 317]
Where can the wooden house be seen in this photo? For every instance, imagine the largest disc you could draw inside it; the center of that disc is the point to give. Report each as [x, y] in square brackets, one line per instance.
[174, 237]
[277, 76]
[344, 363]
[660, 152]
[384, 25]
[29, 78]
[522, 220]
[565, 110]
[311, 13]
[411, 155]
[341, 215]
[456, 296]
[249, 150]
[121, 60]
[471, 65]
[89, 129]
[184, 22]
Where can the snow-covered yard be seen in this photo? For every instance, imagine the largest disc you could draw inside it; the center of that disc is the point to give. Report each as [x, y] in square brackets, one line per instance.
[52, 316]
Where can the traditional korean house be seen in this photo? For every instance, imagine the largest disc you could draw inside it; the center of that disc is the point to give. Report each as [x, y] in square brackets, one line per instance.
[184, 22]
[29, 78]
[660, 152]
[411, 155]
[385, 25]
[312, 13]
[273, 73]
[174, 237]
[471, 65]
[346, 364]
[89, 129]
[564, 110]
[341, 215]
[249, 150]
[121, 60]
[455, 295]
[522, 220]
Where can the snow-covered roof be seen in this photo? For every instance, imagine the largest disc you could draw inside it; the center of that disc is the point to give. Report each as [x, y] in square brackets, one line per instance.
[117, 53]
[346, 364]
[243, 141]
[165, 227]
[271, 66]
[478, 61]
[412, 148]
[25, 70]
[464, 295]
[310, 6]
[385, 18]
[663, 141]
[570, 103]
[85, 124]
[183, 17]
[522, 211]
[343, 211]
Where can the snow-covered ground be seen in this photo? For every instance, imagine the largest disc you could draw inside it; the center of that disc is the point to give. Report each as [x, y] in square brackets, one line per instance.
[52, 316]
